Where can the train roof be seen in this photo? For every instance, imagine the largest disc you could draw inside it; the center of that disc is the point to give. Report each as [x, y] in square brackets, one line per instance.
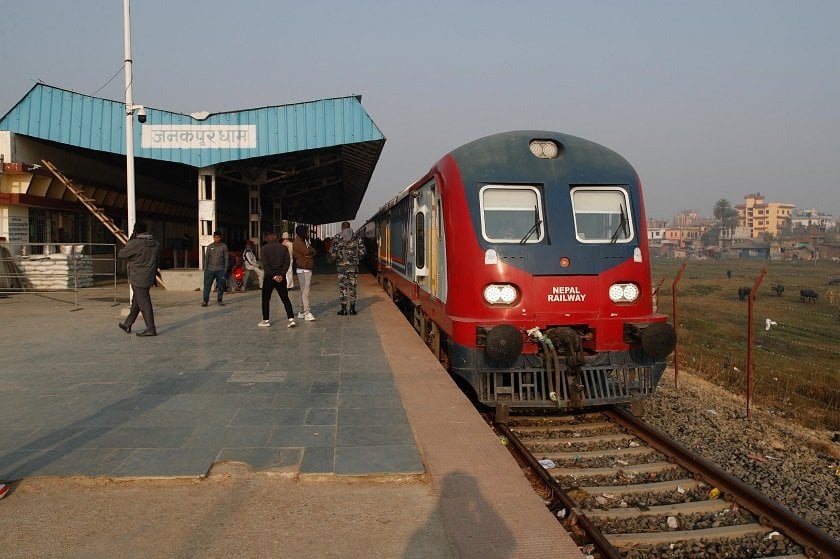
[516, 142]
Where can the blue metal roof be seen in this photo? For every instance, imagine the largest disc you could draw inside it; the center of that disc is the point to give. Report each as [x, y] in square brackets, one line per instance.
[317, 157]
[63, 116]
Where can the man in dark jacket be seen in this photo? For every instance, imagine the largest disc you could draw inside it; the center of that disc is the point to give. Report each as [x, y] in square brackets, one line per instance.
[276, 261]
[215, 269]
[141, 252]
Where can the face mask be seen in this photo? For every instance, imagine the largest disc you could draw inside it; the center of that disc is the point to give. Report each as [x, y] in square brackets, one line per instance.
[346, 234]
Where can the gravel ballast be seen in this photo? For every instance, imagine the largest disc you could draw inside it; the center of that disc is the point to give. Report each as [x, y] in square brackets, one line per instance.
[797, 467]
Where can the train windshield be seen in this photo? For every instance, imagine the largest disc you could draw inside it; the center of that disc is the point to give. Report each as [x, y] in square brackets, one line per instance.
[511, 214]
[602, 215]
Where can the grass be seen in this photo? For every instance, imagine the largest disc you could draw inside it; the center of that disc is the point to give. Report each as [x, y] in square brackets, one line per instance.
[796, 363]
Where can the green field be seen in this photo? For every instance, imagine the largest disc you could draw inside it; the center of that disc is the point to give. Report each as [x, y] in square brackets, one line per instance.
[796, 362]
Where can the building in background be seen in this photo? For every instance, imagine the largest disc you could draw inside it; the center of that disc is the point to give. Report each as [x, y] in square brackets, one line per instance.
[812, 220]
[763, 219]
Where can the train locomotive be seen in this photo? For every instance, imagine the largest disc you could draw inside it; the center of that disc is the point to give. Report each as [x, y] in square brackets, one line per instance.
[521, 258]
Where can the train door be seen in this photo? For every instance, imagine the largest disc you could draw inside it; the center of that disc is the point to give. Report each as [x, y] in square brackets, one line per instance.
[428, 238]
[384, 241]
[394, 236]
[437, 247]
[418, 240]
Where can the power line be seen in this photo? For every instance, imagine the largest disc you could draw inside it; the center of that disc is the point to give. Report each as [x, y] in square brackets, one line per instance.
[117, 73]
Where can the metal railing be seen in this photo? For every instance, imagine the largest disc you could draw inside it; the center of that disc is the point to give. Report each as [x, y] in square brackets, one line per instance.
[52, 267]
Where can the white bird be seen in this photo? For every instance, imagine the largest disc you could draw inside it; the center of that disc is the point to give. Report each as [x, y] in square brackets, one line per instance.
[768, 323]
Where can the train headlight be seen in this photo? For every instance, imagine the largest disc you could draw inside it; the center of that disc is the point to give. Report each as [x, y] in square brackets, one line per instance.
[500, 293]
[544, 149]
[624, 292]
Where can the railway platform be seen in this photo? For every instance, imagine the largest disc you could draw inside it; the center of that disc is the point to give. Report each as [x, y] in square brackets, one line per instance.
[339, 397]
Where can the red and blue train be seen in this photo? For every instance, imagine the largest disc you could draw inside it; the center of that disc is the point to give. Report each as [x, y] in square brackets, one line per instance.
[522, 260]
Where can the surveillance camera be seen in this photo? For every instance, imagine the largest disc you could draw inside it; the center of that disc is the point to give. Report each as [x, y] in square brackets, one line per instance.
[141, 115]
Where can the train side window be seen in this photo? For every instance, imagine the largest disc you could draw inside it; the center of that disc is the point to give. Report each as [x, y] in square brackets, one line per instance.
[420, 240]
[511, 213]
[602, 215]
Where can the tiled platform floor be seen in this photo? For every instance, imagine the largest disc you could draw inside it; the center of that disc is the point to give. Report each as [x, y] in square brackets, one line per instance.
[340, 396]
[79, 396]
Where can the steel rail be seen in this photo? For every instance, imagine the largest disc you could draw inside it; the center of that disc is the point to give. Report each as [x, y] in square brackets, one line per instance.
[816, 542]
[576, 516]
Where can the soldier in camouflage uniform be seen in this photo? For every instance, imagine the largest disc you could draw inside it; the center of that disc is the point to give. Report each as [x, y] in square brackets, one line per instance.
[346, 251]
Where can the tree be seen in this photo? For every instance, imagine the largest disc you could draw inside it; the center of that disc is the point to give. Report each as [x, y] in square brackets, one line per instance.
[711, 236]
[722, 208]
[730, 221]
[726, 215]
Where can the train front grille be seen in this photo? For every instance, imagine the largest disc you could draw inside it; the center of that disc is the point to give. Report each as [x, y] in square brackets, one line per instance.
[593, 385]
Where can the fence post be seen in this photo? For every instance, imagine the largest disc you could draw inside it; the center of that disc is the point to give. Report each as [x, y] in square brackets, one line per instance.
[75, 280]
[656, 293]
[114, 260]
[750, 299]
[676, 323]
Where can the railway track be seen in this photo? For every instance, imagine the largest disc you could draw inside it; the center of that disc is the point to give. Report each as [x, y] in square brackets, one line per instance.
[632, 492]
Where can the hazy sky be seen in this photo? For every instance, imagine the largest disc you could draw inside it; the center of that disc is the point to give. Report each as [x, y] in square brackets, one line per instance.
[707, 100]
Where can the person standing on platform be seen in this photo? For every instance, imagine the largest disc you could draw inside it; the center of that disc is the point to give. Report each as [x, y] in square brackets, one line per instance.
[215, 268]
[142, 253]
[290, 275]
[230, 278]
[186, 246]
[346, 250]
[249, 259]
[276, 262]
[304, 258]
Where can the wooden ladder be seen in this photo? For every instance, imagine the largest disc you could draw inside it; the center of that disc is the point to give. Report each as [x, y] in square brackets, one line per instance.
[98, 212]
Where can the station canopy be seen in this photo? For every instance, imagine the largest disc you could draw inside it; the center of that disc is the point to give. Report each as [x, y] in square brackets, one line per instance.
[312, 160]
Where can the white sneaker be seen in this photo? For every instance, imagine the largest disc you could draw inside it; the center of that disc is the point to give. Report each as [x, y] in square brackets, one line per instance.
[264, 323]
[292, 323]
[301, 315]
[309, 317]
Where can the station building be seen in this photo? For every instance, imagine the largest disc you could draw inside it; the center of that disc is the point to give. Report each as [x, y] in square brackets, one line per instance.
[240, 172]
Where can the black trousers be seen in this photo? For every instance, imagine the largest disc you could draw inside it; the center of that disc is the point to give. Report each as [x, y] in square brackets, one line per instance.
[141, 302]
[270, 285]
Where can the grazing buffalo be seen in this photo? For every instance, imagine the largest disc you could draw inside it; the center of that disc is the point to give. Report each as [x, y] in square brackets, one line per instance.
[743, 292]
[778, 288]
[808, 296]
